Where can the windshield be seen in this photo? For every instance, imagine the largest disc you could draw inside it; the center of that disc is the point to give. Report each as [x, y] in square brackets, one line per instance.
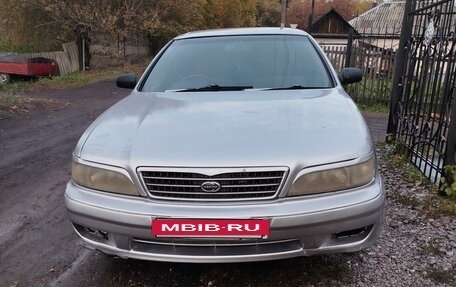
[238, 63]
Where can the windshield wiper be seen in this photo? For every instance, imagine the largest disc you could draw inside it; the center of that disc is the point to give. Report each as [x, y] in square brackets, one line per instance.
[294, 87]
[216, 88]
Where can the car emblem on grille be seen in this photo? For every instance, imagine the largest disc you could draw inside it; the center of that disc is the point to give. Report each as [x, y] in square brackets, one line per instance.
[211, 186]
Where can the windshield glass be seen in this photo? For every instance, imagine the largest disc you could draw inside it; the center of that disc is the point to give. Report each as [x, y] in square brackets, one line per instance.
[238, 63]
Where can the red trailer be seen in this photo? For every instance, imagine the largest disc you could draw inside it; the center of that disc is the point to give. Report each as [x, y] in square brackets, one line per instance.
[17, 65]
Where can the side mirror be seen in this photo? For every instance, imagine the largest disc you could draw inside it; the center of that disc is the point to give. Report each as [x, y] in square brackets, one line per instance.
[350, 76]
[126, 81]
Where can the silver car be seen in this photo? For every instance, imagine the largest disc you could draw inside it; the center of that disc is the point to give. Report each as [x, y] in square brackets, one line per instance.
[235, 145]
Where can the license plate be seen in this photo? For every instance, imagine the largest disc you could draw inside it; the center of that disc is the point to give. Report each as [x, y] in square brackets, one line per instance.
[211, 228]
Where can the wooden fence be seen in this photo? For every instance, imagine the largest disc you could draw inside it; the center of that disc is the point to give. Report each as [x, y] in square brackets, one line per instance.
[67, 60]
[336, 55]
[377, 65]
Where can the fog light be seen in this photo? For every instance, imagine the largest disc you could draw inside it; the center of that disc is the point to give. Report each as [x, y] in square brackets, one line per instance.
[98, 233]
[92, 234]
[352, 233]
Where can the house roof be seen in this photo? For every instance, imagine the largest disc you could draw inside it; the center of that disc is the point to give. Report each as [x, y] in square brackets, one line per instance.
[384, 19]
[331, 24]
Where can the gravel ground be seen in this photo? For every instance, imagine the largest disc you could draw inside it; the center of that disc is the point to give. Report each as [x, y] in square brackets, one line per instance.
[416, 248]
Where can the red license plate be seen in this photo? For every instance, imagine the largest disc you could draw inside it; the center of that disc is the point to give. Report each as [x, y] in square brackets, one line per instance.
[211, 228]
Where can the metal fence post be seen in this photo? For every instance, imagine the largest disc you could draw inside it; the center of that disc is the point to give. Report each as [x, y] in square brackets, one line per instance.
[348, 56]
[283, 13]
[450, 154]
[83, 53]
[399, 70]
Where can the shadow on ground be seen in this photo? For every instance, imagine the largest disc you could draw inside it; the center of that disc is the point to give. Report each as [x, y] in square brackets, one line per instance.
[329, 270]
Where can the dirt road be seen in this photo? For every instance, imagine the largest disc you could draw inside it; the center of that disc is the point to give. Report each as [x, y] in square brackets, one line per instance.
[37, 244]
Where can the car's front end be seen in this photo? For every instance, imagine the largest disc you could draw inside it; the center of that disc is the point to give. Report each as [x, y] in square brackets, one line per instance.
[236, 175]
[347, 221]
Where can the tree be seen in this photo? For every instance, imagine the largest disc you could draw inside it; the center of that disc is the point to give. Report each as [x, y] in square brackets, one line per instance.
[101, 16]
[159, 20]
[177, 17]
[268, 13]
[22, 29]
[234, 13]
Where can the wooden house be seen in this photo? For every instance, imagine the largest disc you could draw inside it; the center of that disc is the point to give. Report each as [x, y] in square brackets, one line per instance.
[331, 29]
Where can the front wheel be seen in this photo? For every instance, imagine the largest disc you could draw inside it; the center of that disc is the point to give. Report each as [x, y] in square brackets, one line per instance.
[4, 78]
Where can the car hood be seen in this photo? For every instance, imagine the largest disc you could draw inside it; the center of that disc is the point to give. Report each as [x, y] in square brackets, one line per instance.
[227, 129]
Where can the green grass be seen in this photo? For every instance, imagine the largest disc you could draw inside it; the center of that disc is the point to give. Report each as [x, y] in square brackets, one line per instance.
[373, 107]
[57, 82]
[447, 205]
[433, 205]
[371, 90]
[429, 249]
[396, 158]
[9, 103]
[13, 97]
[442, 276]
[372, 95]
[75, 79]
[14, 103]
[7, 47]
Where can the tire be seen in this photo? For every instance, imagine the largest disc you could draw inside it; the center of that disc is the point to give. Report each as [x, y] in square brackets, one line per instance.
[4, 78]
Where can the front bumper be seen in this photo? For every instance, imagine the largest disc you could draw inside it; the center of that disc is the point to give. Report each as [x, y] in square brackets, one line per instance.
[346, 221]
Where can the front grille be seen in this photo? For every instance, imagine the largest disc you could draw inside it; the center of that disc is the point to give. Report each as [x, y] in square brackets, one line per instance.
[216, 248]
[233, 185]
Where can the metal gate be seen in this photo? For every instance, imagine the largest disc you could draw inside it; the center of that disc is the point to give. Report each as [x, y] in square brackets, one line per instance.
[423, 111]
[374, 53]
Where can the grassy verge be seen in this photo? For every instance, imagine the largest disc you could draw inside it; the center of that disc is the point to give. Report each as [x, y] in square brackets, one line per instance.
[442, 276]
[13, 97]
[395, 158]
[82, 78]
[73, 79]
[10, 104]
[373, 108]
[13, 103]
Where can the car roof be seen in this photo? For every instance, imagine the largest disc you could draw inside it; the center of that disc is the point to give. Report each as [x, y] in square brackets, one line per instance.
[242, 32]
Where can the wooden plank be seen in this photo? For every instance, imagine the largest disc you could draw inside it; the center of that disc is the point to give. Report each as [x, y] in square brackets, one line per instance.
[335, 54]
[67, 60]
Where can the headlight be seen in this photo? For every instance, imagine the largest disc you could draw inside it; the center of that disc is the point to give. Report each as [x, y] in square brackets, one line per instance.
[102, 179]
[334, 179]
